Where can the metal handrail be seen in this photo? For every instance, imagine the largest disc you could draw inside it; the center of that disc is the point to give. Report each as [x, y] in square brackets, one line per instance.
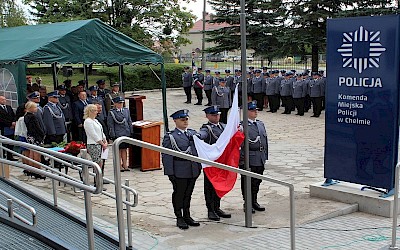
[395, 207]
[98, 180]
[10, 210]
[118, 190]
[57, 156]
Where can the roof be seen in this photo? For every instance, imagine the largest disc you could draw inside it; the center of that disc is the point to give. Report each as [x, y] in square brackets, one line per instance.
[198, 26]
[84, 41]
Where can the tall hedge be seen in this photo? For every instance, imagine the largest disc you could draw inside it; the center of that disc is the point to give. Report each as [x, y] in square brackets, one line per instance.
[141, 77]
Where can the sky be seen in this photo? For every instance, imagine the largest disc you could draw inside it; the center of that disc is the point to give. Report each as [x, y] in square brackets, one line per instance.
[196, 7]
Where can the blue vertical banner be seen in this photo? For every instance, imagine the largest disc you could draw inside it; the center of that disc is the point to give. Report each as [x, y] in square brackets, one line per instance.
[362, 100]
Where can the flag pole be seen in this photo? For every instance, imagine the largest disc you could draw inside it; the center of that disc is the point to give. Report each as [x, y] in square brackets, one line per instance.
[247, 193]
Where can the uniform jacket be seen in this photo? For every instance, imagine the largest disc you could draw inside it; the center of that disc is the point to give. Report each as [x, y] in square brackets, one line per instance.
[103, 92]
[208, 82]
[187, 79]
[323, 86]
[230, 82]
[258, 85]
[179, 167]
[215, 81]
[273, 86]
[221, 96]
[210, 132]
[200, 78]
[77, 111]
[315, 88]
[119, 123]
[65, 104]
[299, 89]
[53, 119]
[258, 144]
[286, 88]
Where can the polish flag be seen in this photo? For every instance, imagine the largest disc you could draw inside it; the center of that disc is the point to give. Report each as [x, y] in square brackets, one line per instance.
[226, 151]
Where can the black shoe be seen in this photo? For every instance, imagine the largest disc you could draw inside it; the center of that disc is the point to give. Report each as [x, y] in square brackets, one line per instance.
[213, 216]
[257, 207]
[191, 222]
[252, 209]
[222, 214]
[284, 113]
[297, 114]
[269, 111]
[197, 104]
[186, 102]
[106, 182]
[313, 116]
[180, 222]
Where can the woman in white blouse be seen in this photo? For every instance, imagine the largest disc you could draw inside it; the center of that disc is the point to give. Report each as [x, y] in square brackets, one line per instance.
[96, 140]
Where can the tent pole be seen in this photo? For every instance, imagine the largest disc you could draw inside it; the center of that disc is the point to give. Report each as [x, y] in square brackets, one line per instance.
[121, 76]
[164, 98]
[85, 73]
[54, 72]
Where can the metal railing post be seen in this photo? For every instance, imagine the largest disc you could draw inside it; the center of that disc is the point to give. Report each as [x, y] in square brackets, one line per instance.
[118, 192]
[2, 164]
[10, 208]
[88, 209]
[395, 208]
[292, 218]
[53, 184]
[128, 215]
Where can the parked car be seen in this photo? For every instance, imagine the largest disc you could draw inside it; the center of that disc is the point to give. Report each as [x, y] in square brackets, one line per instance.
[238, 58]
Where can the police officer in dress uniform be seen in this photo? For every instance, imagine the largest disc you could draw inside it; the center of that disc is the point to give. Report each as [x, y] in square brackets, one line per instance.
[286, 92]
[299, 93]
[187, 81]
[315, 90]
[258, 87]
[221, 96]
[198, 86]
[307, 98]
[94, 97]
[216, 78]
[102, 91]
[182, 173]
[110, 96]
[208, 86]
[258, 153]
[270, 91]
[323, 86]
[54, 120]
[64, 102]
[238, 80]
[209, 133]
[230, 82]
[119, 123]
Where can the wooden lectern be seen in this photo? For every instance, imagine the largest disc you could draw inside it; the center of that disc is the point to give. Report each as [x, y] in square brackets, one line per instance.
[136, 107]
[144, 158]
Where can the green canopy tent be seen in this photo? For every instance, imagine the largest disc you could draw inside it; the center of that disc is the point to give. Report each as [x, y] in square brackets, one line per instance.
[76, 42]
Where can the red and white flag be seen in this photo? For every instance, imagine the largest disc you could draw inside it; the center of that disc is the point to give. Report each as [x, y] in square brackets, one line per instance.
[226, 150]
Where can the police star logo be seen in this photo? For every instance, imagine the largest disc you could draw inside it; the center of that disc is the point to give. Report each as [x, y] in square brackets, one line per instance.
[361, 49]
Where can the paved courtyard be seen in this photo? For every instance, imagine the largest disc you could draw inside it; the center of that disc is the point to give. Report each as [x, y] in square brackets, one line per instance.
[296, 152]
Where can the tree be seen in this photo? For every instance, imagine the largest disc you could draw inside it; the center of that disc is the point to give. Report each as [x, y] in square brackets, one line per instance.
[143, 20]
[263, 20]
[307, 20]
[289, 27]
[11, 14]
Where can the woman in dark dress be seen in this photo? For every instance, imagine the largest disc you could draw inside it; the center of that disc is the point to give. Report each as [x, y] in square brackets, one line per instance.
[35, 134]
